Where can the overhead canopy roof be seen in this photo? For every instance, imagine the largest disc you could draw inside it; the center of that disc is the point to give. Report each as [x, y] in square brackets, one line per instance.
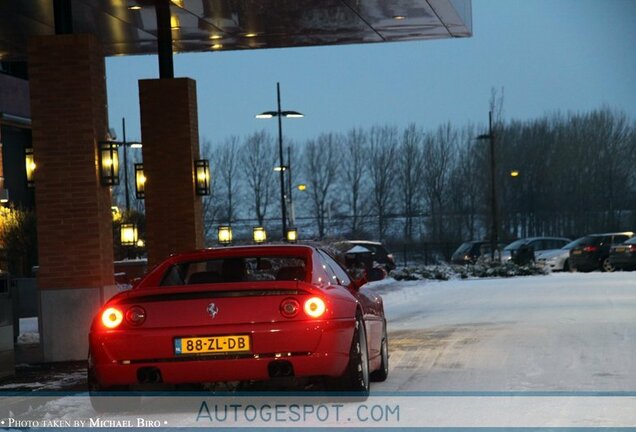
[128, 27]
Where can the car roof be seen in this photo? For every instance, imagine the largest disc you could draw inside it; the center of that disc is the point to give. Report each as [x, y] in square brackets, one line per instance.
[369, 242]
[629, 233]
[529, 239]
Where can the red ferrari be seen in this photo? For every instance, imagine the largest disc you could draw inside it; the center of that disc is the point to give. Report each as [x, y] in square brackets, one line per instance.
[246, 313]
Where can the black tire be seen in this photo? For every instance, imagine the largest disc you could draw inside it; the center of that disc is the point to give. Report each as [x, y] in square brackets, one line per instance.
[383, 372]
[356, 377]
[566, 265]
[607, 266]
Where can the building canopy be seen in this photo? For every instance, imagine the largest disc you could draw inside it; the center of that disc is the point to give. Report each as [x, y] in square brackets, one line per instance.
[129, 27]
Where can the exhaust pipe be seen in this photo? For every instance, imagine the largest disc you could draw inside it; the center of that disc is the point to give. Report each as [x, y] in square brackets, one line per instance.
[280, 369]
[149, 375]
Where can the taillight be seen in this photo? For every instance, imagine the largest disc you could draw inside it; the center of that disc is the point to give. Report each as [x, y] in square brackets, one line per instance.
[112, 317]
[590, 249]
[390, 258]
[289, 308]
[315, 307]
[136, 315]
[632, 248]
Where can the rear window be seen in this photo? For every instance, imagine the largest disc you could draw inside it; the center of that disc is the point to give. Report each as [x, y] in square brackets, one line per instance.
[619, 239]
[463, 248]
[515, 245]
[583, 241]
[236, 269]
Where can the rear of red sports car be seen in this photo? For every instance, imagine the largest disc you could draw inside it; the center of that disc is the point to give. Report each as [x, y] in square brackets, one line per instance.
[234, 314]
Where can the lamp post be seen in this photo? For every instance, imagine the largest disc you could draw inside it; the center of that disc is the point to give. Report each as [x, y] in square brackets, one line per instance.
[126, 144]
[490, 136]
[280, 114]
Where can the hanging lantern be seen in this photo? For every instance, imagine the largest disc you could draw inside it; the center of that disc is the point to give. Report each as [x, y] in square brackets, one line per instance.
[225, 234]
[202, 175]
[108, 163]
[140, 181]
[129, 235]
[30, 166]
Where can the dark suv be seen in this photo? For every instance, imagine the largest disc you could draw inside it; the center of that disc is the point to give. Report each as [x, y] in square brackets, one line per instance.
[592, 251]
[469, 252]
[379, 253]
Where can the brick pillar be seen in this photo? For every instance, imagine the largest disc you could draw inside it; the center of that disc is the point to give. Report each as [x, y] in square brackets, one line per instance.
[169, 130]
[74, 221]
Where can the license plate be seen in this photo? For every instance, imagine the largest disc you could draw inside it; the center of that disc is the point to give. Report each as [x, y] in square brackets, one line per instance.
[620, 249]
[576, 252]
[212, 345]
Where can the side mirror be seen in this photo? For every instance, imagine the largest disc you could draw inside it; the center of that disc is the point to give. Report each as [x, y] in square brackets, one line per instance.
[376, 274]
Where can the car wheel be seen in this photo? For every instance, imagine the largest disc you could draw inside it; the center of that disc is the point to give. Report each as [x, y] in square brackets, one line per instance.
[607, 266]
[566, 265]
[356, 377]
[383, 372]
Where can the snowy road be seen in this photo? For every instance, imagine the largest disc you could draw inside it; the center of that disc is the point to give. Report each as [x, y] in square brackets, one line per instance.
[565, 332]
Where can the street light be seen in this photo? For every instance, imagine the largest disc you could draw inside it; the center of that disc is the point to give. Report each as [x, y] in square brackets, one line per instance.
[280, 114]
[259, 234]
[109, 161]
[225, 234]
[490, 136]
[291, 235]
[126, 144]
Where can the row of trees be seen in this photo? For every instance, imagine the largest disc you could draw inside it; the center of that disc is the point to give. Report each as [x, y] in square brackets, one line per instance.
[576, 175]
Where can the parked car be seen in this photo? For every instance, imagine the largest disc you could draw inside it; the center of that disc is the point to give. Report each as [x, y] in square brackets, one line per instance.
[556, 259]
[623, 256]
[534, 245]
[379, 252]
[471, 251]
[592, 251]
[240, 314]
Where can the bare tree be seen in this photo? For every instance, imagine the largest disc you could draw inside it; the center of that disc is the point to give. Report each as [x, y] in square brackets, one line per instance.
[383, 150]
[353, 168]
[410, 171]
[466, 189]
[228, 165]
[320, 167]
[258, 157]
[439, 153]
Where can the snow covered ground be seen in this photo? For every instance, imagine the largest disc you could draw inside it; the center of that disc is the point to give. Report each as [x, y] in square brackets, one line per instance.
[560, 338]
[567, 331]
[29, 332]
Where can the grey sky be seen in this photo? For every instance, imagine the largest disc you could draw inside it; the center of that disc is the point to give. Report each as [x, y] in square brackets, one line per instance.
[548, 55]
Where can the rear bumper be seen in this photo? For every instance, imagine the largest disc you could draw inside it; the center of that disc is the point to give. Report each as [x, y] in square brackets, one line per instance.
[584, 263]
[312, 349]
[623, 261]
